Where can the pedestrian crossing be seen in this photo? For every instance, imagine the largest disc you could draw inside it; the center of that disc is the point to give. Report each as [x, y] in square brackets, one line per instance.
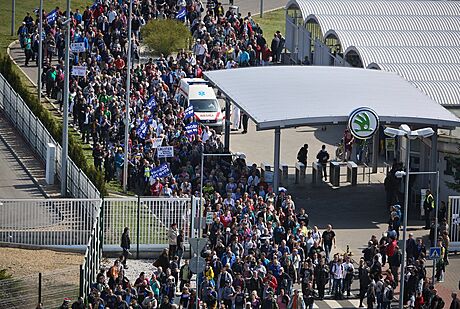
[336, 304]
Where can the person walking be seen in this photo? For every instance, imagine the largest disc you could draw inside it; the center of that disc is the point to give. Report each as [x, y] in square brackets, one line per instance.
[428, 206]
[323, 158]
[125, 245]
[455, 304]
[172, 239]
[303, 154]
[327, 240]
[245, 119]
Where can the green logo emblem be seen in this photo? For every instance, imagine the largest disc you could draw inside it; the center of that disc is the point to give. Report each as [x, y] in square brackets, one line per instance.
[363, 122]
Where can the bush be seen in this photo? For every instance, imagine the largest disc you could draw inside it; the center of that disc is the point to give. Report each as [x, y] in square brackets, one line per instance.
[165, 36]
[52, 124]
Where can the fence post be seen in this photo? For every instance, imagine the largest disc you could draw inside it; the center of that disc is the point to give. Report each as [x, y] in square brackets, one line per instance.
[81, 280]
[138, 236]
[39, 288]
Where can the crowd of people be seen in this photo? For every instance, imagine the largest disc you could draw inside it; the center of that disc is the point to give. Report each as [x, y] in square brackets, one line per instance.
[222, 40]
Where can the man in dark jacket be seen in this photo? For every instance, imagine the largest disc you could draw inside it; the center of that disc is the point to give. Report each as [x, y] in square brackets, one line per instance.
[323, 158]
[125, 245]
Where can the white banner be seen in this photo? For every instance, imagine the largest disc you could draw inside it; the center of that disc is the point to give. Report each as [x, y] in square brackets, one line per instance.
[79, 71]
[166, 152]
[157, 142]
[77, 47]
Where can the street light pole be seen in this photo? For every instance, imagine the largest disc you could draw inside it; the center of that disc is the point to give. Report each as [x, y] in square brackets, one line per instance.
[65, 125]
[40, 52]
[406, 204]
[128, 103]
[13, 13]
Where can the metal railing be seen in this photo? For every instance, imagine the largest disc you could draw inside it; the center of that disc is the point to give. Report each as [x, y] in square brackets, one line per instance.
[38, 137]
[93, 254]
[48, 222]
[148, 219]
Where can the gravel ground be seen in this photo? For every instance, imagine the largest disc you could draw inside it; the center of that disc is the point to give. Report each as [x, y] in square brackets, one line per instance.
[22, 262]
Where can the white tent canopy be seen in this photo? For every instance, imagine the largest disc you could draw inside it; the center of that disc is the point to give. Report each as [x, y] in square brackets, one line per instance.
[291, 96]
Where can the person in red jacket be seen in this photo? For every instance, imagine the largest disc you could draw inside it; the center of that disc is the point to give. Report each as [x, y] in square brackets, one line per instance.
[271, 280]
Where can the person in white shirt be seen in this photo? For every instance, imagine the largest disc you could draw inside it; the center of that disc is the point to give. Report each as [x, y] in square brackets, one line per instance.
[206, 135]
[253, 180]
[348, 269]
[236, 116]
[337, 274]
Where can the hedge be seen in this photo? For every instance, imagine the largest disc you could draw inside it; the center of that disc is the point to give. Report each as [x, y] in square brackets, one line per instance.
[53, 125]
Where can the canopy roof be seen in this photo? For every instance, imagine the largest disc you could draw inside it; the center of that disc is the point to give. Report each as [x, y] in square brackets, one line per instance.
[390, 35]
[291, 96]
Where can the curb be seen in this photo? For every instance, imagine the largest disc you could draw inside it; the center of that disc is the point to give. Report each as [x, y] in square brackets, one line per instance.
[16, 157]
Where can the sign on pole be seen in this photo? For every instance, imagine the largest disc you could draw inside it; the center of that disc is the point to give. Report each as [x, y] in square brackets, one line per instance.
[79, 71]
[197, 264]
[197, 244]
[363, 122]
[435, 253]
[165, 152]
[77, 47]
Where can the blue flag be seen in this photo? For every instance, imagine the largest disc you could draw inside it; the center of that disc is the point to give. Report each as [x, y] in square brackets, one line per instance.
[189, 112]
[192, 128]
[160, 171]
[94, 6]
[52, 16]
[151, 102]
[181, 14]
[143, 128]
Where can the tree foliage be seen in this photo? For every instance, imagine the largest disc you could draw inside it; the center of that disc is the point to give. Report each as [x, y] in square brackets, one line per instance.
[455, 165]
[165, 36]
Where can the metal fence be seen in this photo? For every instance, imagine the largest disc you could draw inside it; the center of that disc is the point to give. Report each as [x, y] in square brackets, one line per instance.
[148, 219]
[93, 255]
[48, 222]
[49, 288]
[38, 137]
[454, 223]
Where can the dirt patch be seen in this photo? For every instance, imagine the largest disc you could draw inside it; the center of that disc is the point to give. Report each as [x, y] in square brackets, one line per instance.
[22, 262]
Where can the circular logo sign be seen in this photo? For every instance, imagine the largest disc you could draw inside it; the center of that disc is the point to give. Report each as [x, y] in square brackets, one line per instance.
[363, 122]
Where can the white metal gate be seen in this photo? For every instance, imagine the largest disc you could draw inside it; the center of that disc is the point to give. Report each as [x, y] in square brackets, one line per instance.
[454, 223]
[148, 219]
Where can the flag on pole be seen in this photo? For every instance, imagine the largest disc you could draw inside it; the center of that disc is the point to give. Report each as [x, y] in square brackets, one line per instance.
[151, 102]
[143, 128]
[191, 128]
[95, 4]
[52, 16]
[182, 13]
[189, 112]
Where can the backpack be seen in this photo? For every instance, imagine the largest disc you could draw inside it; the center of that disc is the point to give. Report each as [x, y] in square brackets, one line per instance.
[390, 294]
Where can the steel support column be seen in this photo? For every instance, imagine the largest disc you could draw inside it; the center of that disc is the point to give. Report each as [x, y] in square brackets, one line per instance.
[276, 167]
[227, 125]
[375, 151]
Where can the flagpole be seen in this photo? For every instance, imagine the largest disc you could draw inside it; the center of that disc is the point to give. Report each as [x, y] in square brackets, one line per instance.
[127, 105]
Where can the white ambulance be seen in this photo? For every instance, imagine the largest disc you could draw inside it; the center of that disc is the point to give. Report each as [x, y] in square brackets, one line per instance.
[196, 92]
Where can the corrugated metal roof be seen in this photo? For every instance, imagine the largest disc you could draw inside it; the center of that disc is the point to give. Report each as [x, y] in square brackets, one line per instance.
[407, 38]
[419, 40]
[423, 72]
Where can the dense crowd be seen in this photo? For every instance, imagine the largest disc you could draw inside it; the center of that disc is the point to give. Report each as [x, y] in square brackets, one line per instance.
[222, 39]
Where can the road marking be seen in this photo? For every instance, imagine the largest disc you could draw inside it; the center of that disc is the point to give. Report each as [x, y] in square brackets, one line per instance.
[315, 306]
[354, 302]
[333, 304]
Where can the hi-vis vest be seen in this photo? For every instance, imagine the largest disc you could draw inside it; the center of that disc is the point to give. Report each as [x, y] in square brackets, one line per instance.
[147, 172]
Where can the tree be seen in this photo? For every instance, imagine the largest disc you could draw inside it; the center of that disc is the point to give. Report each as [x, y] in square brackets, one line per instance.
[454, 170]
[165, 36]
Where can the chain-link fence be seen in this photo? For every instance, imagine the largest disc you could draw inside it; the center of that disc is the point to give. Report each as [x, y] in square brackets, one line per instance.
[49, 288]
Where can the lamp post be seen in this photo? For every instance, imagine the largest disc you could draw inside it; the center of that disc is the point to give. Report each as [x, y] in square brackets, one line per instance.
[405, 131]
[128, 103]
[40, 52]
[65, 125]
[231, 154]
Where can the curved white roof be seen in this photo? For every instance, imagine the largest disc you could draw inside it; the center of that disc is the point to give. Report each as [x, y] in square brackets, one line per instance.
[292, 96]
[417, 39]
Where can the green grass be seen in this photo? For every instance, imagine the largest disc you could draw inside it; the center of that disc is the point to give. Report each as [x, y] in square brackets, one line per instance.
[271, 22]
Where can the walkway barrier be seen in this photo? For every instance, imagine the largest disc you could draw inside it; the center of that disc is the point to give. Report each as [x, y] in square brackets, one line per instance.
[284, 172]
[316, 175]
[148, 219]
[51, 223]
[38, 137]
[334, 173]
[352, 173]
[300, 170]
[454, 223]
